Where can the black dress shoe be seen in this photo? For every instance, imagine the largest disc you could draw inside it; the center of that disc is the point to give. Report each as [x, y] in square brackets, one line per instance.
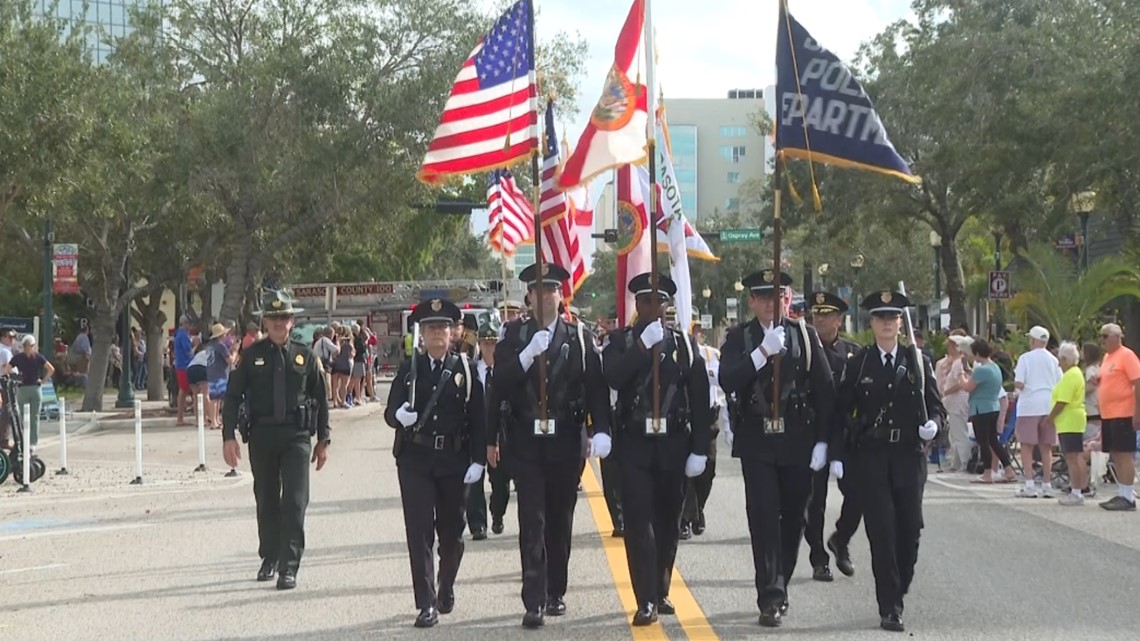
[619, 532]
[445, 603]
[532, 620]
[665, 606]
[892, 623]
[286, 581]
[783, 610]
[555, 606]
[646, 615]
[770, 619]
[427, 618]
[497, 526]
[686, 532]
[699, 525]
[267, 571]
[479, 535]
[842, 557]
[822, 573]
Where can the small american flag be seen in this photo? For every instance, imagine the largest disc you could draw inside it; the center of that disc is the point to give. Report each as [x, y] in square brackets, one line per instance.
[512, 219]
[559, 238]
[491, 117]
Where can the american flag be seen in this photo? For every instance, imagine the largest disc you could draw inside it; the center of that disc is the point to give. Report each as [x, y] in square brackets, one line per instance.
[559, 238]
[491, 117]
[512, 219]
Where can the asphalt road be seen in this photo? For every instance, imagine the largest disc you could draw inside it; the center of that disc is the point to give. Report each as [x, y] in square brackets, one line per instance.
[175, 561]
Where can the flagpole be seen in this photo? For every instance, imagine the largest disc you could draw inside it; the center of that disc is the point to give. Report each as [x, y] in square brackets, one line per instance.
[540, 286]
[651, 148]
[777, 238]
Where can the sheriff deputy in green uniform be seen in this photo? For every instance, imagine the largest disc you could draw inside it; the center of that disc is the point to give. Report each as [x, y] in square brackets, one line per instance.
[283, 383]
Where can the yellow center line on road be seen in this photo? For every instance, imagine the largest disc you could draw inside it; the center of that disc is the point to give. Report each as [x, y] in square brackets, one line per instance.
[689, 612]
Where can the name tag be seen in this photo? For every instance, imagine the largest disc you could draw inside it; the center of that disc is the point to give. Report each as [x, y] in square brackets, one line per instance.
[775, 426]
[655, 427]
[544, 428]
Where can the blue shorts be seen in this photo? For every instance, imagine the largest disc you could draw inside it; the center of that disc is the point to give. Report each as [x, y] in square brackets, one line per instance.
[218, 388]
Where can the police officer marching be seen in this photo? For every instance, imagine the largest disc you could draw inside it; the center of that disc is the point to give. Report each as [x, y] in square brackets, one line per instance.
[698, 489]
[890, 394]
[488, 335]
[656, 455]
[437, 411]
[283, 383]
[827, 312]
[777, 453]
[545, 457]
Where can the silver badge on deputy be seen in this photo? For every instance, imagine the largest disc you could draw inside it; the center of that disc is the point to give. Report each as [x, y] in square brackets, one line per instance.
[259, 362]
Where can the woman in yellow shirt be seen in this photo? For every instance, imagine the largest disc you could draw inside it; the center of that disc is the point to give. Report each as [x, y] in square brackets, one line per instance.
[1068, 415]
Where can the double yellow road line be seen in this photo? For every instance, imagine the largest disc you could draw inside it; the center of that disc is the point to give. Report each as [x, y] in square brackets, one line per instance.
[689, 612]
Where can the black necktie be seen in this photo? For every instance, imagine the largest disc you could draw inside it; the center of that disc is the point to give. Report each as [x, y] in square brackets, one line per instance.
[279, 385]
[887, 359]
[435, 367]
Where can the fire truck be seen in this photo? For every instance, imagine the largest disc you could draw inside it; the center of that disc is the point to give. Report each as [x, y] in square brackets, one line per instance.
[384, 307]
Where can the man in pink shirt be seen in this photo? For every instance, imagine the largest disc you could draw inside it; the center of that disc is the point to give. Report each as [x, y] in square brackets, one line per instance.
[1117, 395]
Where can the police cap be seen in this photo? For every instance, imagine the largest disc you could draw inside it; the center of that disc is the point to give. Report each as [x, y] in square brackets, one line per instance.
[548, 273]
[826, 303]
[886, 303]
[763, 282]
[436, 310]
[642, 284]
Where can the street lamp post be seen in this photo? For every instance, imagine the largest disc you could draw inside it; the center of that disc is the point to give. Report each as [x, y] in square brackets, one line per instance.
[936, 244]
[706, 293]
[823, 269]
[1083, 204]
[856, 265]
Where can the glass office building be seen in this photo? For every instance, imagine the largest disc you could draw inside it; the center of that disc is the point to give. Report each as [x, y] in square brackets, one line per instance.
[109, 19]
[683, 145]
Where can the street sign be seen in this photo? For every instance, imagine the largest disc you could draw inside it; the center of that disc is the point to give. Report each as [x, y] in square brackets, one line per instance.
[999, 285]
[741, 236]
[706, 321]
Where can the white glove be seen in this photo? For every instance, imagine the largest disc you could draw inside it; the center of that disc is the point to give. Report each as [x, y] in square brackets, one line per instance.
[837, 469]
[474, 473]
[928, 430]
[600, 445]
[406, 416]
[695, 465]
[652, 334]
[818, 457]
[727, 436]
[773, 341]
[538, 344]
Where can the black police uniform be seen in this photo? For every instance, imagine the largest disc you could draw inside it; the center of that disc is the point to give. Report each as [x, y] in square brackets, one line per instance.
[546, 468]
[432, 457]
[774, 456]
[653, 465]
[283, 388]
[698, 489]
[838, 352]
[477, 502]
[886, 403]
[610, 468]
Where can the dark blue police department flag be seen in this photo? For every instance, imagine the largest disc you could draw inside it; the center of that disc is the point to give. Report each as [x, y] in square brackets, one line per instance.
[823, 113]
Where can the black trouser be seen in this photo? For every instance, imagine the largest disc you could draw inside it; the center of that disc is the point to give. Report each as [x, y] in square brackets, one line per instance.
[432, 504]
[611, 489]
[279, 457]
[986, 434]
[652, 499]
[813, 520]
[890, 484]
[547, 494]
[477, 499]
[775, 498]
[850, 514]
[697, 489]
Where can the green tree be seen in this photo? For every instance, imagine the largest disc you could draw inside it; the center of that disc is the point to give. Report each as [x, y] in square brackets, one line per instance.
[1053, 291]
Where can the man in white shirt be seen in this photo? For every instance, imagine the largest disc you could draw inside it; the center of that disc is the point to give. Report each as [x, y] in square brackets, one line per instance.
[1036, 373]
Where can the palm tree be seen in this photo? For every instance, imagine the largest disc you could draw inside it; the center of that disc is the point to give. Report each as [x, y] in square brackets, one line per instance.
[1052, 288]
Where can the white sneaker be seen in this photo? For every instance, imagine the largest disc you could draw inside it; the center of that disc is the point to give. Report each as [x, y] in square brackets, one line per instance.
[1071, 499]
[1026, 493]
[1048, 492]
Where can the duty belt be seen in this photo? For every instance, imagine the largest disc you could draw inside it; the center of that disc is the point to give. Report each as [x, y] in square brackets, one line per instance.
[436, 441]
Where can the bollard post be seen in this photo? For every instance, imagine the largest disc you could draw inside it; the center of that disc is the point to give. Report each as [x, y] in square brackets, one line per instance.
[62, 439]
[138, 444]
[201, 436]
[26, 450]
